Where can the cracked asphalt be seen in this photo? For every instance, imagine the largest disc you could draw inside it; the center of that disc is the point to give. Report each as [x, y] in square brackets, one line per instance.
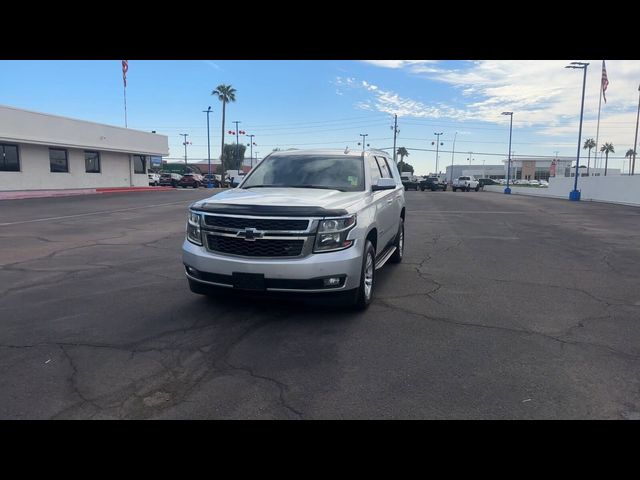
[504, 308]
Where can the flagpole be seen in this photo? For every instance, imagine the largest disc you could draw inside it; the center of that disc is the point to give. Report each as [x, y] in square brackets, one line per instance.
[125, 106]
[598, 127]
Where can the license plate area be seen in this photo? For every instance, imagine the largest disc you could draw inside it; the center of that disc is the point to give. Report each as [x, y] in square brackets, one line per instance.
[248, 281]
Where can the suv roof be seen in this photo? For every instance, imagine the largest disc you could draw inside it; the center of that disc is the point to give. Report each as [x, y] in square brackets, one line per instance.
[328, 151]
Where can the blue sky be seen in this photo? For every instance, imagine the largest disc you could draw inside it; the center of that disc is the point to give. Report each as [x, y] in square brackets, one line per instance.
[309, 104]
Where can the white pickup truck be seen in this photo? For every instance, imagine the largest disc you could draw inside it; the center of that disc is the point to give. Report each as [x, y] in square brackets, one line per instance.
[467, 184]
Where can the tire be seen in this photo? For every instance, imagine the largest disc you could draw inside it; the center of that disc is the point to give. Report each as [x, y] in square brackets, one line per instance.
[198, 288]
[362, 299]
[422, 189]
[444, 189]
[454, 189]
[433, 189]
[399, 244]
[468, 188]
[477, 189]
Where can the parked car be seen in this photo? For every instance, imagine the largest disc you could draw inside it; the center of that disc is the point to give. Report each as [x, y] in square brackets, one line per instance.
[487, 181]
[534, 182]
[169, 179]
[409, 181]
[313, 222]
[433, 183]
[193, 180]
[466, 184]
[544, 183]
[215, 182]
[154, 179]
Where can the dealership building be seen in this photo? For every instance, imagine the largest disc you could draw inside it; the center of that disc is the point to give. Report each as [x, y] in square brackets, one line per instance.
[39, 151]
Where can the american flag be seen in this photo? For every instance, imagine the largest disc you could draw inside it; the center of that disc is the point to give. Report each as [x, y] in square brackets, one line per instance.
[605, 81]
[125, 69]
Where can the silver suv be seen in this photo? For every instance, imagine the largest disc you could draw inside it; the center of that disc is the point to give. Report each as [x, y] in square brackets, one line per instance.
[304, 221]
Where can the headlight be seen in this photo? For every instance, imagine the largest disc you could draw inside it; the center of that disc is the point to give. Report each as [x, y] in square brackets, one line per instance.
[193, 228]
[332, 234]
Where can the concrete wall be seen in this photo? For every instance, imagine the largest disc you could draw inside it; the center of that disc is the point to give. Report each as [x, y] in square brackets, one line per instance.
[622, 189]
[116, 171]
[23, 126]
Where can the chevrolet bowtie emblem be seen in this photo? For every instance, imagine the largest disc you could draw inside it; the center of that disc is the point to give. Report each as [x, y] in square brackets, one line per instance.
[250, 234]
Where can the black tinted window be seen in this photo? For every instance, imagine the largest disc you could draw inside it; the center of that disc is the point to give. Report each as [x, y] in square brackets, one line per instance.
[308, 171]
[384, 167]
[58, 160]
[92, 162]
[9, 158]
[140, 164]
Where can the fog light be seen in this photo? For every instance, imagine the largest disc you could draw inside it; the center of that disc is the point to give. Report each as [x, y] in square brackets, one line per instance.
[332, 282]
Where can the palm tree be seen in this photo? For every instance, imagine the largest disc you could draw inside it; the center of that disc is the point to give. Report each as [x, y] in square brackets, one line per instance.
[630, 153]
[226, 94]
[403, 153]
[589, 144]
[607, 148]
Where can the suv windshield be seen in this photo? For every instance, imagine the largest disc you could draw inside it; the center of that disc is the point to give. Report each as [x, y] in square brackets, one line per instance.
[309, 171]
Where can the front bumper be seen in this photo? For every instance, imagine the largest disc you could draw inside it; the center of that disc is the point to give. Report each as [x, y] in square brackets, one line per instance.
[284, 275]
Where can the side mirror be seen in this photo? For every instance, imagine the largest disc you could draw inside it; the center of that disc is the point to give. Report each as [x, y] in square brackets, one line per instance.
[384, 184]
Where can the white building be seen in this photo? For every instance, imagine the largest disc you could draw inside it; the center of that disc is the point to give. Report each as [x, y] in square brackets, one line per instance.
[39, 151]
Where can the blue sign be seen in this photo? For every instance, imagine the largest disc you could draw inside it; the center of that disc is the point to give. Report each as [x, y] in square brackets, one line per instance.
[156, 162]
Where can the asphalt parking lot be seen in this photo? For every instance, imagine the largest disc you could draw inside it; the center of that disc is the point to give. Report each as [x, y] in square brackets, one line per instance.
[505, 307]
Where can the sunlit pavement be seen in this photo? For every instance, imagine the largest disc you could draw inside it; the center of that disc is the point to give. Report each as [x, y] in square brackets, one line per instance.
[504, 307]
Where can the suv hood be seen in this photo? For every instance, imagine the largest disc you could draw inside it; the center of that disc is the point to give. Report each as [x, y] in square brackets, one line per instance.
[289, 201]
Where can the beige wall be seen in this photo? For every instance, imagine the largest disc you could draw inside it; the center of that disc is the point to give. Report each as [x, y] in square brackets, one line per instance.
[35, 174]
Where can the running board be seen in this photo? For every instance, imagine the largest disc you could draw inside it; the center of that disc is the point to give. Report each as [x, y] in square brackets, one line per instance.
[386, 255]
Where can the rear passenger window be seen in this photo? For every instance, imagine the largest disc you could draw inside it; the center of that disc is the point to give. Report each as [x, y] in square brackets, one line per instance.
[384, 167]
[375, 170]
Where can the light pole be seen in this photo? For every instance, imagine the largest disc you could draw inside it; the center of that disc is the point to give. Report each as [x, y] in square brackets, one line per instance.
[635, 142]
[507, 190]
[363, 135]
[452, 153]
[437, 148]
[208, 111]
[574, 195]
[185, 135]
[251, 144]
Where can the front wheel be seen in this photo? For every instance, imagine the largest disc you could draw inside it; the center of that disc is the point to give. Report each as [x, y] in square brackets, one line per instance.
[477, 188]
[454, 189]
[364, 294]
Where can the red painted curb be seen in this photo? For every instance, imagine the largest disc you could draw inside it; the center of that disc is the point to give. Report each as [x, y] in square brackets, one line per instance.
[132, 189]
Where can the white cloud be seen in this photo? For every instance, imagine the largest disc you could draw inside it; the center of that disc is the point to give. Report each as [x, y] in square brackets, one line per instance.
[398, 63]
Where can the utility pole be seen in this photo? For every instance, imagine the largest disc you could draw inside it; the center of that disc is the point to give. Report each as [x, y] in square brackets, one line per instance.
[251, 148]
[208, 111]
[395, 132]
[363, 135]
[185, 135]
[507, 190]
[635, 142]
[575, 194]
[437, 148]
[237, 134]
[452, 154]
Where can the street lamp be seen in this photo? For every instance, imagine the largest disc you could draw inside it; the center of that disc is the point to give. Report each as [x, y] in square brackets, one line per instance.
[363, 135]
[438, 143]
[185, 143]
[208, 111]
[508, 190]
[574, 195]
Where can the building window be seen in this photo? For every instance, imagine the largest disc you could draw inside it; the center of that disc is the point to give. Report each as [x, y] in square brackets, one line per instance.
[92, 162]
[58, 160]
[140, 164]
[9, 161]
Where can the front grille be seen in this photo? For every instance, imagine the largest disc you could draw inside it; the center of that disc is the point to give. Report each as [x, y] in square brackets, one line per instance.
[241, 223]
[257, 248]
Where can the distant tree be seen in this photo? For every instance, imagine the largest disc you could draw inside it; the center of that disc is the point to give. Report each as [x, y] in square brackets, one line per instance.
[630, 153]
[226, 94]
[230, 161]
[277, 149]
[607, 148]
[589, 144]
[406, 167]
[403, 153]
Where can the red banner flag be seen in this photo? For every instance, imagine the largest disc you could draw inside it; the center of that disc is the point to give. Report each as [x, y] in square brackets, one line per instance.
[125, 69]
